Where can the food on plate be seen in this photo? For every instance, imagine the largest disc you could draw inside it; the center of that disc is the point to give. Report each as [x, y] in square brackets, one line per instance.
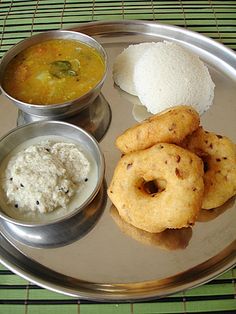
[123, 67]
[171, 126]
[164, 75]
[219, 156]
[53, 71]
[168, 75]
[161, 181]
[170, 239]
[158, 188]
[44, 176]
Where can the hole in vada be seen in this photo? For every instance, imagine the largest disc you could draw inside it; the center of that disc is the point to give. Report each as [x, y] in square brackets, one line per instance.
[153, 187]
[150, 187]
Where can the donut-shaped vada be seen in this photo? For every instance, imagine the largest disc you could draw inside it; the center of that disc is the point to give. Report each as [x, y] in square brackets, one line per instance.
[219, 156]
[170, 126]
[158, 188]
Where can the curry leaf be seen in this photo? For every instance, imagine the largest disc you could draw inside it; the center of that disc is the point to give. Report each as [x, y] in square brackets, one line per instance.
[62, 68]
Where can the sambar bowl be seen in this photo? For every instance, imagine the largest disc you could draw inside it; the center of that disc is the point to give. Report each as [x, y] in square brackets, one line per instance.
[59, 70]
[35, 228]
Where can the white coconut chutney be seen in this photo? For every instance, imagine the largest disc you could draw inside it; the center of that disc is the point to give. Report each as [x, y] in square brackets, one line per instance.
[47, 175]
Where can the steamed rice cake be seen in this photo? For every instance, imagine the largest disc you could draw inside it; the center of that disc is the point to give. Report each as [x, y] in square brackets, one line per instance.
[168, 75]
[123, 67]
[163, 75]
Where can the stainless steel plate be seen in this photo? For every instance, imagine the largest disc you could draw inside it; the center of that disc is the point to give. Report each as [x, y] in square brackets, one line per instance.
[110, 264]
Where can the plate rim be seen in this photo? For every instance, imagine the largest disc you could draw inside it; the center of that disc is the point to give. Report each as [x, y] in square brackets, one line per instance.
[124, 298]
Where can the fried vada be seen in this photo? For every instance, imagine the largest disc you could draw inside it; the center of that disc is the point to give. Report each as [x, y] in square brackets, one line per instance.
[219, 156]
[158, 188]
[170, 126]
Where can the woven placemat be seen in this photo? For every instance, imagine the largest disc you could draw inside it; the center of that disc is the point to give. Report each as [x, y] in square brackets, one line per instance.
[21, 19]
[17, 295]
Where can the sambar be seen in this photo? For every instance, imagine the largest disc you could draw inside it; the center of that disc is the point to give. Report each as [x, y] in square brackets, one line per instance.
[53, 72]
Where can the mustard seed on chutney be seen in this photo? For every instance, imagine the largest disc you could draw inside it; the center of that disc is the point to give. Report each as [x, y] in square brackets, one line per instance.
[53, 72]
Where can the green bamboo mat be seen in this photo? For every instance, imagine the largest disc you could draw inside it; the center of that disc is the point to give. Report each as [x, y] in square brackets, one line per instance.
[17, 295]
[21, 19]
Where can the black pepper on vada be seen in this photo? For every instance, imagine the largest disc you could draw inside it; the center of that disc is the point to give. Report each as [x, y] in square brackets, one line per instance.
[158, 188]
[169, 126]
[219, 156]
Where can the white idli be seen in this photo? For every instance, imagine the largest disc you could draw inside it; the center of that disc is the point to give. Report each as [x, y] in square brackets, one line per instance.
[123, 67]
[168, 75]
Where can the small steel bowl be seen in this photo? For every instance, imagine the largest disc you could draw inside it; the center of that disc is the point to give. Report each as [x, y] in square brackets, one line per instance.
[54, 110]
[52, 230]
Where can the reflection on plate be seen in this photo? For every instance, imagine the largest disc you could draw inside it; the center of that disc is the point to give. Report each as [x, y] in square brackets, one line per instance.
[210, 214]
[139, 111]
[61, 234]
[95, 118]
[170, 239]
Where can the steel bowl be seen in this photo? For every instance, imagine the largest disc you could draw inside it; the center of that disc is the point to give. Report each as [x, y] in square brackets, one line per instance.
[62, 109]
[48, 229]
